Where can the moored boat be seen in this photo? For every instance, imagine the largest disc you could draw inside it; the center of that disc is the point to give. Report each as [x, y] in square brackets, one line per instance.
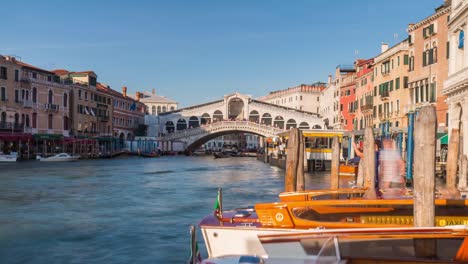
[58, 157]
[367, 245]
[12, 157]
[235, 232]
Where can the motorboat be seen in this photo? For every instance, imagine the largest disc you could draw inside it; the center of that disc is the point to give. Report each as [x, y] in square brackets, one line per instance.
[235, 232]
[58, 157]
[12, 157]
[363, 245]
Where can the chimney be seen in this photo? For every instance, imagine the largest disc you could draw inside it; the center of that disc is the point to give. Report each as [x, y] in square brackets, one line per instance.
[154, 91]
[329, 79]
[124, 91]
[137, 96]
[383, 47]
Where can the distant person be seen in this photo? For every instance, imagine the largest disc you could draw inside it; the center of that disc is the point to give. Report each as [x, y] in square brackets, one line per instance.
[360, 154]
[392, 167]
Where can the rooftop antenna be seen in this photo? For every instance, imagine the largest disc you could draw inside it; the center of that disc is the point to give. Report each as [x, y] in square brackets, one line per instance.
[356, 53]
[395, 36]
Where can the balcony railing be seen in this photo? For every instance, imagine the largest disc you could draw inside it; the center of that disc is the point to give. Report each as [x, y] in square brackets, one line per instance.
[384, 94]
[27, 103]
[11, 126]
[367, 107]
[51, 107]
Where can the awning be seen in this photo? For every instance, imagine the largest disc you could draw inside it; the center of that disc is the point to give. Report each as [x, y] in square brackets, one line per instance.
[86, 110]
[15, 137]
[443, 137]
[92, 112]
[48, 137]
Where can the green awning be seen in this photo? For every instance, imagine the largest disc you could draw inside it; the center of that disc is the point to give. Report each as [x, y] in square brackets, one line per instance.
[48, 137]
[443, 138]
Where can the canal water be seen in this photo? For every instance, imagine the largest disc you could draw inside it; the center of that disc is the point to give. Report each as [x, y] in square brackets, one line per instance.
[125, 210]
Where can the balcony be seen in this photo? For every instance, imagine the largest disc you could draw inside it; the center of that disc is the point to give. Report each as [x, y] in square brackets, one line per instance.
[51, 107]
[11, 126]
[367, 107]
[384, 95]
[27, 103]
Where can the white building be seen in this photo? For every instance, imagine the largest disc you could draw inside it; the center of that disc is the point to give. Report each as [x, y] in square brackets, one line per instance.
[304, 97]
[156, 104]
[330, 104]
[456, 86]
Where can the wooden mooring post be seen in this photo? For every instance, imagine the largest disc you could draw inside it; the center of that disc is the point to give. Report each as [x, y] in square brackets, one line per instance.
[452, 162]
[369, 163]
[294, 176]
[424, 177]
[335, 163]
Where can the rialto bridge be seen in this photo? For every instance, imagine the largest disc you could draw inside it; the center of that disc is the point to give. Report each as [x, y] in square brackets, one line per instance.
[198, 124]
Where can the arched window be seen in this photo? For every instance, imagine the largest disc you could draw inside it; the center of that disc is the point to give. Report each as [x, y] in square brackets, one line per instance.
[217, 116]
[170, 127]
[172, 108]
[16, 119]
[291, 124]
[50, 121]
[27, 120]
[266, 119]
[205, 118]
[193, 122]
[34, 95]
[163, 109]
[34, 120]
[3, 94]
[65, 101]
[181, 124]
[153, 110]
[279, 122]
[159, 109]
[65, 123]
[254, 116]
[304, 125]
[4, 115]
[27, 95]
[51, 97]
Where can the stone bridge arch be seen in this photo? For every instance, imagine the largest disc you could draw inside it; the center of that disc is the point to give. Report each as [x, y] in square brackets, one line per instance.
[195, 137]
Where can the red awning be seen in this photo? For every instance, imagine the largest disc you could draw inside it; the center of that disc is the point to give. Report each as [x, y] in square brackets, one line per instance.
[15, 137]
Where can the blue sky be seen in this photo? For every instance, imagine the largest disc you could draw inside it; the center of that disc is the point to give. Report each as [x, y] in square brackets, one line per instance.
[198, 51]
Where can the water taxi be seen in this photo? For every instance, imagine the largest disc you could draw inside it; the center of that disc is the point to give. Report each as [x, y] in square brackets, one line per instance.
[236, 231]
[11, 157]
[363, 245]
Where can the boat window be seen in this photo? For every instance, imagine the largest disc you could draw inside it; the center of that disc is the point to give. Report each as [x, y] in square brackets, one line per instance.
[396, 248]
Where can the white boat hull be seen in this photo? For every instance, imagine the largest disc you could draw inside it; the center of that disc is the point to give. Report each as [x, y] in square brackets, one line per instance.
[224, 241]
[8, 158]
[58, 157]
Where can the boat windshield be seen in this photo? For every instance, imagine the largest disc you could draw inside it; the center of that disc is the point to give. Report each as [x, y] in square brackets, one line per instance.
[384, 214]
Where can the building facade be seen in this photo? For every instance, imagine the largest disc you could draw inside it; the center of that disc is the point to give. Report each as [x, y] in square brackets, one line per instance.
[428, 63]
[364, 93]
[348, 100]
[128, 115]
[456, 86]
[329, 101]
[304, 97]
[49, 100]
[390, 87]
